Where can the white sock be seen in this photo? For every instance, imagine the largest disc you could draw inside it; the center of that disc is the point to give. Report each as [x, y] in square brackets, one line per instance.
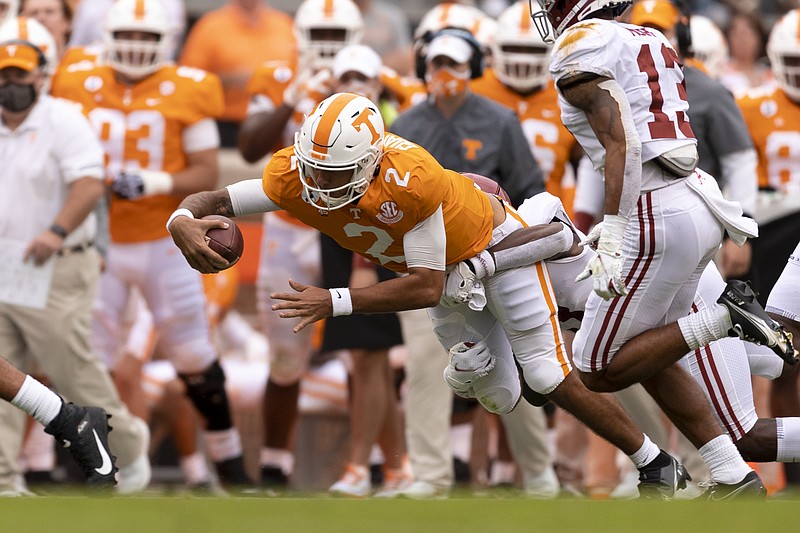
[645, 454]
[705, 326]
[194, 468]
[788, 439]
[223, 445]
[279, 458]
[37, 400]
[724, 461]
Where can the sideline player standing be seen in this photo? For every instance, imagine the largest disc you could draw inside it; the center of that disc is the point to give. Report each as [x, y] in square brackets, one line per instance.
[155, 123]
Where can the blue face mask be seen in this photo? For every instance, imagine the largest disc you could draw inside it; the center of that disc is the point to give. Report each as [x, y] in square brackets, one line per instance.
[17, 97]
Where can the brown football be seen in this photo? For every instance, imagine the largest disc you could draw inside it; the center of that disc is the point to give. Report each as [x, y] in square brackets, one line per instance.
[227, 242]
[488, 185]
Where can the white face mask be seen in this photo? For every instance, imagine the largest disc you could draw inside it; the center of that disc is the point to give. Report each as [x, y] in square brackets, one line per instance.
[446, 81]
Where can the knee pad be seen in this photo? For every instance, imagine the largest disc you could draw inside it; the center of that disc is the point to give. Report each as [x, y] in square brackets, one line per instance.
[207, 392]
[543, 377]
[473, 372]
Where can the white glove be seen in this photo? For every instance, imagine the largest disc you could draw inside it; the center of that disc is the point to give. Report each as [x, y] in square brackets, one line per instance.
[458, 285]
[482, 264]
[134, 184]
[606, 267]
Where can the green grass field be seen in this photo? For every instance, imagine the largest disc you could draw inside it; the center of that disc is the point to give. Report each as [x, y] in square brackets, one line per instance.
[65, 514]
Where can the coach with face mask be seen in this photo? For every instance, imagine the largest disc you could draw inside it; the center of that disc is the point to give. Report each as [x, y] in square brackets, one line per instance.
[51, 177]
[462, 130]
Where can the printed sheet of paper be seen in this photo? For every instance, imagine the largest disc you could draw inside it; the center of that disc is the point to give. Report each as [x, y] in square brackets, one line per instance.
[23, 283]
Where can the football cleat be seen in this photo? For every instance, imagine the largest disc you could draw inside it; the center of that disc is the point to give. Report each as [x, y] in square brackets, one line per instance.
[662, 477]
[749, 487]
[752, 324]
[273, 477]
[83, 431]
[232, 475]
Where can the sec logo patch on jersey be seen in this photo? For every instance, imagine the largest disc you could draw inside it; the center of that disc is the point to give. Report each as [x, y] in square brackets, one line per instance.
[389, 213]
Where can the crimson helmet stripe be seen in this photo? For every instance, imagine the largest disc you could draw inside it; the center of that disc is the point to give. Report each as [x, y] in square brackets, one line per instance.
[322, 133]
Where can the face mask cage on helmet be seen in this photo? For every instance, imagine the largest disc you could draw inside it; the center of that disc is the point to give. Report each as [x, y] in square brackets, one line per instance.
[783, 50]
[322, 30]
[330, 199]
[786, 68]
[136, 58]
[522, 70]
[555, 16]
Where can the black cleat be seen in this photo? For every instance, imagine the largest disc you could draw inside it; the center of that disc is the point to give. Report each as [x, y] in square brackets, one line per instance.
[232, 475]
[749, 487]
[751, 323]
[662, 477]
[272, 477]
[83, 431]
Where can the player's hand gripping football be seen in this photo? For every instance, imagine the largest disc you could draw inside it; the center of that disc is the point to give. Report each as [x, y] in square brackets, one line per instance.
[189, 235]
[606, 268]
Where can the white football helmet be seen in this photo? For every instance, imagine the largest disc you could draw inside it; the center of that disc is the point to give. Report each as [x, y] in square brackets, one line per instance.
[28, 29]
[555, 16]
[449, 15]
[520, 57]
[783, 45]
[136, 58]
[12, 9]
[323, 27]
[709, 44]
[344, 132]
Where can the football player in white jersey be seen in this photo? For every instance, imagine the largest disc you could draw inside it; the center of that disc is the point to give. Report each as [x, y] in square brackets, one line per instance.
[622, 96]
[722, 369]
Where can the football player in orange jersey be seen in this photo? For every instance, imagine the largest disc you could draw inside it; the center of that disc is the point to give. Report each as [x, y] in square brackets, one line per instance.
[389, 200]
[519, 80]
[282, 93]
[155, 122]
